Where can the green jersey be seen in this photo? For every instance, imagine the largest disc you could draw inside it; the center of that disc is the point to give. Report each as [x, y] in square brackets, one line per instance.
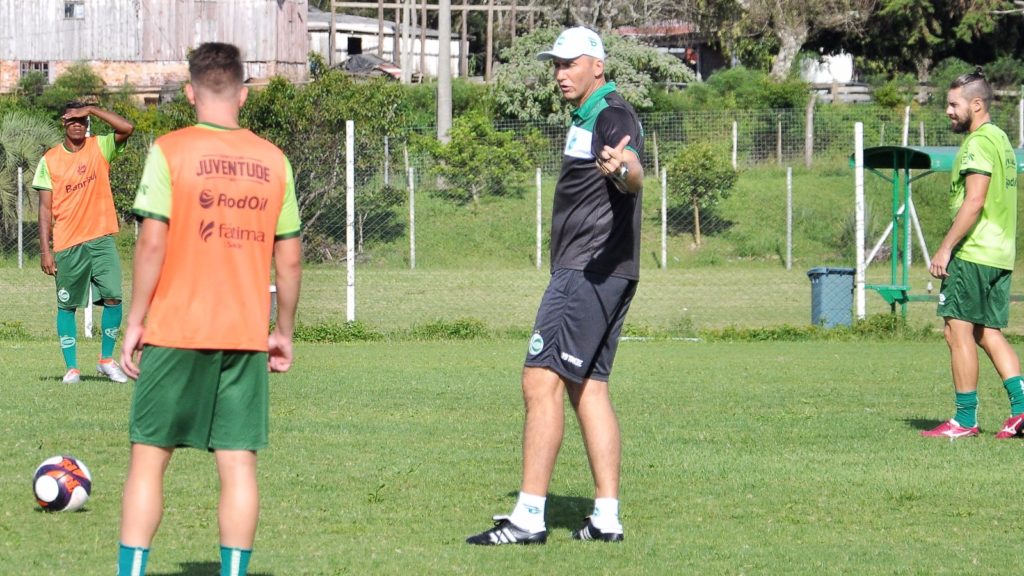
[993, 239]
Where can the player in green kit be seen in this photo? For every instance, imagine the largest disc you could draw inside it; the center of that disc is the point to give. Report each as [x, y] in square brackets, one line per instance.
[976, 258]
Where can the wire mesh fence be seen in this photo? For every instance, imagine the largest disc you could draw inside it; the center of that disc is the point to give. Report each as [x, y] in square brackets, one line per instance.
[430, 244]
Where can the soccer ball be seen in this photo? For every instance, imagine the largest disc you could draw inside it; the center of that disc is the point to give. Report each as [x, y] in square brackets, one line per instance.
[62, 484]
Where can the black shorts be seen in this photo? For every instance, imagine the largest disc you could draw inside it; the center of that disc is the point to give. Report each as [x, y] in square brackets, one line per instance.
[577, 328]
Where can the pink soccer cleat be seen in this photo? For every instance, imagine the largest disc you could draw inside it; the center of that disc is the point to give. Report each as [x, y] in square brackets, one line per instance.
[950, 429]
[1012, 427]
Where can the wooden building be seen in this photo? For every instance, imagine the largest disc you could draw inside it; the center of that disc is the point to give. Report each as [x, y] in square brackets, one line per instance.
[145, 43]
[358, 35]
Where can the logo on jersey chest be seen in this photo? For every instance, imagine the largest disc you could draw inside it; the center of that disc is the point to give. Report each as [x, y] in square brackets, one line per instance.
[578, 142]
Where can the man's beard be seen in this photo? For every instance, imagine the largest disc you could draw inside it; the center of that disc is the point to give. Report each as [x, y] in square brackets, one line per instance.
[961, 126]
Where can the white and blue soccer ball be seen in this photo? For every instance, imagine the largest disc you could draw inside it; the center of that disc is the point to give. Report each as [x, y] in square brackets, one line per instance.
[62, 484]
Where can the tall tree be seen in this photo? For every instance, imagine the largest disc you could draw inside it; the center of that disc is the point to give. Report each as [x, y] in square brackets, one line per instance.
[791, 22]
[524, 87]
[915, 34]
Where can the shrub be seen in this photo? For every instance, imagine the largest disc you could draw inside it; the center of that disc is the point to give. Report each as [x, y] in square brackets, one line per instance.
[700, 176]
[331, 333]
[945, 72]
[460, 329]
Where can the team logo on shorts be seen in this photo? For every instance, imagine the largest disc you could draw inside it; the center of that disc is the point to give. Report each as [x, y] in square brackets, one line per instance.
[67, 341]
[536, 344]
[63, 295]
[942, 299]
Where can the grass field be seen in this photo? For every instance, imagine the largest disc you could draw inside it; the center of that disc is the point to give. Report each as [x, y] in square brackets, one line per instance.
[748, 458]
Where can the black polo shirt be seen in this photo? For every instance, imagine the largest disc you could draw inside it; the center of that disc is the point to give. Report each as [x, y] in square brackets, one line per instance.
[594, 226]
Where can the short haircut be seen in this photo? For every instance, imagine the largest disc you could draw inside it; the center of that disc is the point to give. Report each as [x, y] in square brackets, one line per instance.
[217, 67]
[974, 86]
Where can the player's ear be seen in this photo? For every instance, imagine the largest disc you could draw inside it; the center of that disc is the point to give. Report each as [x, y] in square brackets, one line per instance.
[243, 95]
[190, 93]
[598, 68]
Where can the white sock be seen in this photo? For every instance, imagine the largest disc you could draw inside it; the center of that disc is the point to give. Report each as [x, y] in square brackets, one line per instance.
[529, 512]
[606, 515]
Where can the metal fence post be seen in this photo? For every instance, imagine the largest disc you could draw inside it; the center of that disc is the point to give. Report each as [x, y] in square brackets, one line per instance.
[906, 126]
[412, 218]
[858, 202]
[350, 220]
[789, 217]
[664, 219]
[21, 220]
[540, 239]
[387, 161]
[735, 142]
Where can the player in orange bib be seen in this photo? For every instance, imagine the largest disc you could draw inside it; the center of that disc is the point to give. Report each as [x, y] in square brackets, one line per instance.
[77, 207]
[217, 205]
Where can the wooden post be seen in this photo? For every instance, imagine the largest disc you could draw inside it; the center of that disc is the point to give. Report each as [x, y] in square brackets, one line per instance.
[512, 19]
[490, 40]
[396, 49]
[654, 142]
[423, 38]
[778, 142]
[331, 49]
[463, 43]
[809, 133]
[380, 28]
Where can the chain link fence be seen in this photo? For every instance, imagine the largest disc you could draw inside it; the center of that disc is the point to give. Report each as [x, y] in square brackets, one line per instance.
[433, 246]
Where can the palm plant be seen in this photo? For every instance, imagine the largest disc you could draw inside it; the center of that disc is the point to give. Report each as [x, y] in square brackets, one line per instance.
[24, 138]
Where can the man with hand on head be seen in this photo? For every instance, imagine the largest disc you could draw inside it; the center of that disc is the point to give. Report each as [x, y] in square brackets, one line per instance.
[595, 265]
[76, 208]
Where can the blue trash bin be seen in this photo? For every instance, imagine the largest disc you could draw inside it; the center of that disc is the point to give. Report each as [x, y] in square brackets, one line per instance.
[831, 296]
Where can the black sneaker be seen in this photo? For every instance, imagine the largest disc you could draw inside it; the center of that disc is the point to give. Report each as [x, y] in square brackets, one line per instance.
[590, 532]
[505, 532]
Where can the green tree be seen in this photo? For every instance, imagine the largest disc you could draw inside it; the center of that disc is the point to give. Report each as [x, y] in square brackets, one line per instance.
[78, 82]
[912, 35]
[700, 176]
[524, 87]
[791, 23]
[308, 123]
[478, 159]
[24, 138]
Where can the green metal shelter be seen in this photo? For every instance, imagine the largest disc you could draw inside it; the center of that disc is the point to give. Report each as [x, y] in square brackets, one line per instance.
[901, 160]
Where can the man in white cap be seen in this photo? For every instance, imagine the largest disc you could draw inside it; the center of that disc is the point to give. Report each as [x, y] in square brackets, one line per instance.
[595, 262]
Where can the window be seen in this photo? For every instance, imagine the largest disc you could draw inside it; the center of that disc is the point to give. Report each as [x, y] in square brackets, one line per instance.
[28, 66]
[355, 46]
[74, 9]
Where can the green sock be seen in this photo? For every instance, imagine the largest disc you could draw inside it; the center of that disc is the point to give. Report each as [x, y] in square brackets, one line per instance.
[110, 323]
[234, 561]
[66, 331]
[967, 409]
[1015, 390]
[131, 560]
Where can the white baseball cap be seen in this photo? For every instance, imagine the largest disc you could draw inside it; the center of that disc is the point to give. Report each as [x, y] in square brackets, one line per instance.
[573, 43]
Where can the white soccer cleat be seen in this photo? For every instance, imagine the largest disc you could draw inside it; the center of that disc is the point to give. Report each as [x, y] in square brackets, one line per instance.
[112, 370]
[73, 376]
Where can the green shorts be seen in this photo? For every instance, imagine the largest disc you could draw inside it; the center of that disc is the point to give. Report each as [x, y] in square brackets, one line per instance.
[975, 293]
[94, 262]
[207, 399]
